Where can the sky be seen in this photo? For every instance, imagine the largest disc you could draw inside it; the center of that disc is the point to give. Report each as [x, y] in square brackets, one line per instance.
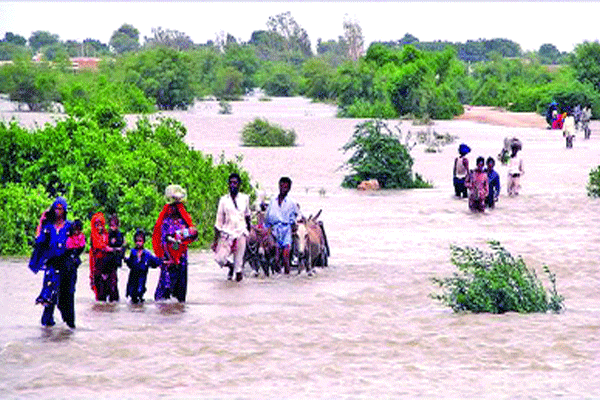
[530, 24]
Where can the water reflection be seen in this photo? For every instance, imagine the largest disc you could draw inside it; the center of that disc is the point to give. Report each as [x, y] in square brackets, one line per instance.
[167, 308]
[56, 334]
[105, 307]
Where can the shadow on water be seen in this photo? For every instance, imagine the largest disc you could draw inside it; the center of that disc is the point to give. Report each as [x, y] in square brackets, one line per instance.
[171, 308]
[137, 307]
[56, 335]
[105, 307]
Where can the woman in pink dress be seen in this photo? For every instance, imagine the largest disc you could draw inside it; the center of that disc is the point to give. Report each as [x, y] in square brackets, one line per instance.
[478, 184]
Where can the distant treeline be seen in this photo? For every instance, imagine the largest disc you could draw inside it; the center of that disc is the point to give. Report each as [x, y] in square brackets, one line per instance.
[484, 49]
[404, 78]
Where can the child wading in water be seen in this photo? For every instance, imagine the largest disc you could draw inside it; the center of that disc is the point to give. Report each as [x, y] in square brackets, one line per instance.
[138, 262]
[107, 284]
[494, 179]
[477, 182]
[460, 171]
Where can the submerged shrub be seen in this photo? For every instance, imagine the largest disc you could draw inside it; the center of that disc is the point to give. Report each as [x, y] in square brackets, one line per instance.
[261, 133]
[496, 283]
[379, 154]
[593, 187]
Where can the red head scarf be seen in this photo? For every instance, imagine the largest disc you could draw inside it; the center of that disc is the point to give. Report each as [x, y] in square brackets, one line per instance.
[99, 242]
[156, 234]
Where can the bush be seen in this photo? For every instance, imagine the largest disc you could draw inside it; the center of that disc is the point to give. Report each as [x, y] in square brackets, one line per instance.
[379, 154]
[97, 166]
[495, 282]
[279, 80]
[261, 133]
[593, 187]
[367, 109]
[224, 107]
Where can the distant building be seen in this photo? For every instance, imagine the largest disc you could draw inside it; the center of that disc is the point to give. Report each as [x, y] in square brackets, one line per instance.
[78, 63]
[85, 63]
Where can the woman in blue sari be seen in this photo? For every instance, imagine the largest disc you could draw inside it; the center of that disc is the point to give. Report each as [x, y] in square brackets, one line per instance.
[50, 255]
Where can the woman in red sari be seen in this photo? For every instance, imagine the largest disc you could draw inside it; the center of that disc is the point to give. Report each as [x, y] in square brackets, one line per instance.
[98, 251]
[173, 231]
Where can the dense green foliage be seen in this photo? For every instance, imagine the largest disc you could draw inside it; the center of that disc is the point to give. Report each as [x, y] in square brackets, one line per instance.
[405, 82]
[593, 186]
[260, 133]
[163, 74]
[379, 154]
[402, 78]
[35, 85]
[97, 165]
[495, 282]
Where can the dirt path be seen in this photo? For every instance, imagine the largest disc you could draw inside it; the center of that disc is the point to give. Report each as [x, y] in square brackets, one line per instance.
[497, 116]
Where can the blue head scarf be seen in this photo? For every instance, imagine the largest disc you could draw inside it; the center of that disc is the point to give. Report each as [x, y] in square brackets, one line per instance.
[61, 201]
[464, 149]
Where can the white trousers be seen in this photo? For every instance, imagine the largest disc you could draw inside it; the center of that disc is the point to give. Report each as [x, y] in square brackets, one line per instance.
[230, 246]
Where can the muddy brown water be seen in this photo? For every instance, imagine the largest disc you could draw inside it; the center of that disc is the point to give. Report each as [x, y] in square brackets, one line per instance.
[363, 328]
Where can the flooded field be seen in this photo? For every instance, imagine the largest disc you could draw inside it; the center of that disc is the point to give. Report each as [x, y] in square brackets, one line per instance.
[363, 328]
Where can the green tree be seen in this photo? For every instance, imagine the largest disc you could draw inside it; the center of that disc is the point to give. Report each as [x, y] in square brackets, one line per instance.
[269, 45]
[163, 74]
[35, 85]
[56, 52]
[229, 84]
[317, 79]
[39, 39]
[15, 39]
[243, 58]
[586, 62]
[549, 54]
[95, 48]
[124, 39]
[9, 51]
[206, 61]
[408, 39]
[279, 79]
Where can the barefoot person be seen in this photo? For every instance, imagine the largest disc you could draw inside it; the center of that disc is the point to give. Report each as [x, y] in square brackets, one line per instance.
[232, 227]
[281, 218]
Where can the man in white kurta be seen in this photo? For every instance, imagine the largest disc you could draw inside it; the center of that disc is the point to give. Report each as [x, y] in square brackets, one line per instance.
[231, 228]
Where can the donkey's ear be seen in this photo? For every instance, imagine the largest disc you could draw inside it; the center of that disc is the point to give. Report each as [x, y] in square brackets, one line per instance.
[317, 216]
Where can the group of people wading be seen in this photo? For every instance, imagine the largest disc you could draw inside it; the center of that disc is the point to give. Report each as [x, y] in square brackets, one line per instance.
[481, 185]
[60, 242]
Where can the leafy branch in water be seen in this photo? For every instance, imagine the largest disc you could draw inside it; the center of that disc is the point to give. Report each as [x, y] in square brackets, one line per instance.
[380, 154]
[495, 282]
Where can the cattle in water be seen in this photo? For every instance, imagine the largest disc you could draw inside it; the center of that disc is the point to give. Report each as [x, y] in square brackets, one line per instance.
[311, 244]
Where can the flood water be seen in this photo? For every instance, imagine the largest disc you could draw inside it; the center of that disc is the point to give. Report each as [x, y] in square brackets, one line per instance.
[363, 328]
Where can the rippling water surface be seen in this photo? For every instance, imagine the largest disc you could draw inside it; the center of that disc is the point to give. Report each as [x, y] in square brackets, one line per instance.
[364, 327]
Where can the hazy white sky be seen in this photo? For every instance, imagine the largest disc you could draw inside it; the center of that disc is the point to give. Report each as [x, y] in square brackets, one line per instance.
[530, 24]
